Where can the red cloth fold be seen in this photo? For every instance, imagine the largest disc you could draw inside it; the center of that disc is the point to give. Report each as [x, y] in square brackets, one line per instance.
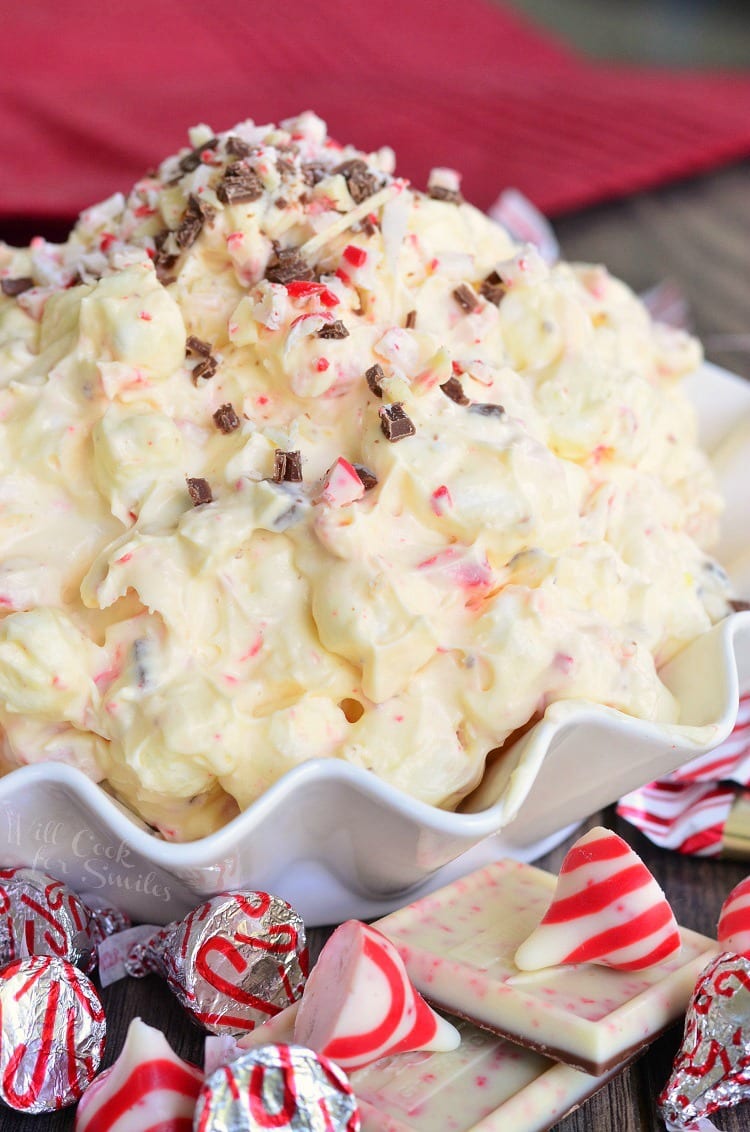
[93, 95]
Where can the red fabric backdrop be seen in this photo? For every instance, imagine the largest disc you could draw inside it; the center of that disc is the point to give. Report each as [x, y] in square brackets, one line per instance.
[92, 94]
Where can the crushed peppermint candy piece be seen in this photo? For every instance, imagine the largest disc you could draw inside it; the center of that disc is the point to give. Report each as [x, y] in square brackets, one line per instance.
[394, 422]
[733, 930]
[342, 484]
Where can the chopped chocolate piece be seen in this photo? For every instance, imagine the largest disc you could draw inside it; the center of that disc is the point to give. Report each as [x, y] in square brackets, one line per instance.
[369, 479]
[285, 165]
[313, 172]
[287, 466]
[360, 180]
[738, 606]
[281, 202]
[286, 265]
[191, 224]
[466, 298]
[16, 286]
[236, 147]
[395, 423]
[440, 192]
[193, 159]
[368, 226]
[239, 184]
[373, 376]
[163, 265]
[454, 389]
[486, 409]
[493, 289]
[225, 418]
[335, 329]
[200, 490]
[411, 320]
[205, 369]
[198, 346]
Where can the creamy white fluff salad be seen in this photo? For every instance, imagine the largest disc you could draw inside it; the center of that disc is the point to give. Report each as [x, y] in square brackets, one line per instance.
[301, 462]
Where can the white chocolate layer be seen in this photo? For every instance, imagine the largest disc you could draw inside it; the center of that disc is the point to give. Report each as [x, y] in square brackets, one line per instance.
[458, 946]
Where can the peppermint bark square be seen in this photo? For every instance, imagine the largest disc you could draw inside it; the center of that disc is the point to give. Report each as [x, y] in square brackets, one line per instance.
[458, 945]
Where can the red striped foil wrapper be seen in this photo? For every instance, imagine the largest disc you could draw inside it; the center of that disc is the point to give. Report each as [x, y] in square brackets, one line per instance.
[703, 808]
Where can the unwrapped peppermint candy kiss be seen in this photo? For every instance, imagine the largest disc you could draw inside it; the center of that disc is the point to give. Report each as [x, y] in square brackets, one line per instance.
[733, 929]
[148, 1089]
[712, 1069]
[53, 1032]
[285, 1087]
[359, 1003]
[234, 962]
[43, 916]
[607, 909]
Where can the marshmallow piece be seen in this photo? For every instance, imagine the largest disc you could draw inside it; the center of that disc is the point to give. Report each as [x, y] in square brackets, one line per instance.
[148, 1089]
[607, 908]
[733, 930]
[360, 1005]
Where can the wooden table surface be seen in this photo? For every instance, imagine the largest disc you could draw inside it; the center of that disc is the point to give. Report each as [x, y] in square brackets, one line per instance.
[698, 235]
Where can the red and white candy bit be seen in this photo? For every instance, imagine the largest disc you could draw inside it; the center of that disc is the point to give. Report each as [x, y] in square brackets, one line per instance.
[341, 484]
[359, 1003]
[42, 916]
[607, 909]
[52, 1031]
[235, 961]
[284, 1087]
[148, 1089]
[712, 1069]
[733, 930]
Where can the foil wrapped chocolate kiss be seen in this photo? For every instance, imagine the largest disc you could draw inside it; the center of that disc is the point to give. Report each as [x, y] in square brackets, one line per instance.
[42, 916]
[234, 962]
[712, 1069]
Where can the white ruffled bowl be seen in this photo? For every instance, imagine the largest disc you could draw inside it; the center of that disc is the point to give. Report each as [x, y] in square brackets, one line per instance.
[337, 842]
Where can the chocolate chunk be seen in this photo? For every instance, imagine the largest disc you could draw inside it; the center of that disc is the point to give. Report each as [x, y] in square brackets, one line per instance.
[466, 298]
[285, 166]
[738, 606]
[454, 389]
[236, 147]
[335, 329]
[369, 226]
[313, 172]
[486, 409]
[240, 184]
[281, 202]
[360, 180]
[373, 376]
[368, 478]
[190, 226]
[439, 192]
[16, 286]
[493, 289]
[286, 265]
[395, 423]
[205, 370]
[198, 346]
[193, 159]
[287, 466]
[225, 418]
[200, 490]
[411, 320]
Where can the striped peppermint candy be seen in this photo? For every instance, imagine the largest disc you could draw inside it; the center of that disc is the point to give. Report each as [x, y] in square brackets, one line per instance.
[607, 909]
[359, 1003]
[148, 1089]
[733, 931]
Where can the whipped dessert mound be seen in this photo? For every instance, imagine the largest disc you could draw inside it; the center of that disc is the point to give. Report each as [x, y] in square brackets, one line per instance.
[301, 462]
